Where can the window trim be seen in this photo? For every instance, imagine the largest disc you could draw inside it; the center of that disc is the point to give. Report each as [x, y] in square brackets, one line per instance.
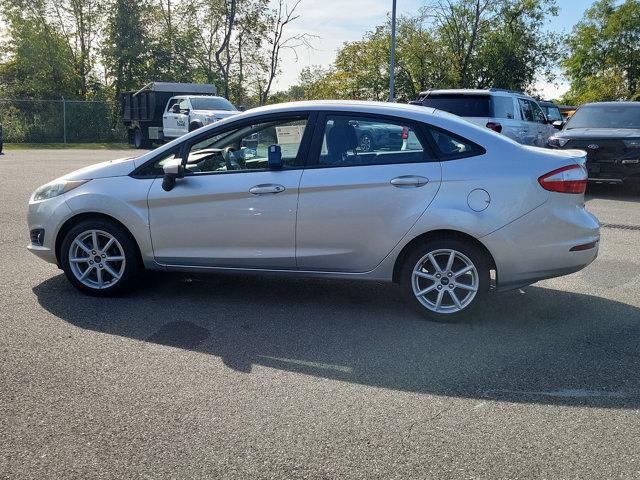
[181, 150]
[321, 122]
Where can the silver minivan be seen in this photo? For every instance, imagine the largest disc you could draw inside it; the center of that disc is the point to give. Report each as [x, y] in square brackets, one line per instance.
[511, 113]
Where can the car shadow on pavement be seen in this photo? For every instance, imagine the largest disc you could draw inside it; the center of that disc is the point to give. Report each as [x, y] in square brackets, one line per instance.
[538, 345]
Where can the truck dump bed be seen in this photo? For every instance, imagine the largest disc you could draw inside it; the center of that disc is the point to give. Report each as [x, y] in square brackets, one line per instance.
[147, 104]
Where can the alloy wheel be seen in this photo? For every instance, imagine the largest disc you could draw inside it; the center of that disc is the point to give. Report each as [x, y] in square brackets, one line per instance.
[97, 259]
[445, 281]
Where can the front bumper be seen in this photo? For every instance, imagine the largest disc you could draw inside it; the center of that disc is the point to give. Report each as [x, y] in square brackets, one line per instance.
[538, 245]
[48, 215]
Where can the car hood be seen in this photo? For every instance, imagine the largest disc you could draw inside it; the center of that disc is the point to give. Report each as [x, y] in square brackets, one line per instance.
[217, 113]
[110, 168]
[599, 133]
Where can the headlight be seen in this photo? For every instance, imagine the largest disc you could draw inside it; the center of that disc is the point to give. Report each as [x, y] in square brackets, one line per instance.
[632, 143]
[210, 119]
[557, 141]
[55, 188]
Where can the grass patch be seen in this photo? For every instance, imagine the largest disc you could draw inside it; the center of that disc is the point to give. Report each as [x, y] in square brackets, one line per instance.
[65, 146]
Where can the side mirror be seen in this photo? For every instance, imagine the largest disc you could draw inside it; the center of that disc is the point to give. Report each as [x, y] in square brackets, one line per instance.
[241, 108]
[558, 124]
[175, 108]
[172, 170]
[185, 111]
[274, 158]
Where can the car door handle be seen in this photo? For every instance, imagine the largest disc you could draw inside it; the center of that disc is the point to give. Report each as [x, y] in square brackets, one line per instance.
[265, 188]
[409, 181]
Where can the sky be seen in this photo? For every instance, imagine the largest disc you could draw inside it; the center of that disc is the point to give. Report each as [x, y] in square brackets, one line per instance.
[337, 21]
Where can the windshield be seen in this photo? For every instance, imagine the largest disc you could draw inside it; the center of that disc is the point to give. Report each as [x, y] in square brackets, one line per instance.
[209, 103]
[552, 112]
[606, 116]
[461, 105]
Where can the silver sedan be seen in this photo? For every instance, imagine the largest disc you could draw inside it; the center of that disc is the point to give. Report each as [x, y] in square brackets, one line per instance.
[443, 207]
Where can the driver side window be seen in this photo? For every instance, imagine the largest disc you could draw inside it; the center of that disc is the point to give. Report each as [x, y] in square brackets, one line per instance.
[245, 148]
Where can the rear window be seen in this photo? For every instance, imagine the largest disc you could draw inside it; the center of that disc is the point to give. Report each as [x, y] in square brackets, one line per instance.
[503, 107]
[461, 105]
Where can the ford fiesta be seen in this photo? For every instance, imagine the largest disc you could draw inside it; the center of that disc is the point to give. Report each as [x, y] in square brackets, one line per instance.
[288, 189]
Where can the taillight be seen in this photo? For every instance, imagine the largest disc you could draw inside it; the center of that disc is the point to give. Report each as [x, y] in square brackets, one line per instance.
[496, 127]
[569, 179]
[405, 133]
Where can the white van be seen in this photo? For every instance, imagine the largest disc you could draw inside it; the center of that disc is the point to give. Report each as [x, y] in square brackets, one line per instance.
[511, 113]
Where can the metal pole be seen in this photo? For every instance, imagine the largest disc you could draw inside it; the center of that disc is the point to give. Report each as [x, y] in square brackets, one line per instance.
[64, 120]
[392, 63]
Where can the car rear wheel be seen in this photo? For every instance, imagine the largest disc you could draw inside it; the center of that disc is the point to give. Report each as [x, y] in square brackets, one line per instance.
[445, 279]
[100, 258]
[138, 139]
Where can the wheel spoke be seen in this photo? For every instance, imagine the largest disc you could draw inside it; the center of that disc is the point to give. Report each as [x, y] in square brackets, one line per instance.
[432, 259]
[464, 286]
[452, 257]
[463, 271]
[94, 239]
[99, 275]
[108, 245]
[83, 247]
[439, 299]
[79, 259]
[114, 259]
[455, 298]
[426, 290]
[426, 275]
[87, 272]
[111, 271]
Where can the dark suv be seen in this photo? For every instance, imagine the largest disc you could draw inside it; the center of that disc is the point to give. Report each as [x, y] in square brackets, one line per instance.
[610, 134]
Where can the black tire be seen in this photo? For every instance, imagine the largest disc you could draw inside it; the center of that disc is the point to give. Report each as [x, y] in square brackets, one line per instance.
[139, 140]
[365, 143]
[465, 252]
[130, 270]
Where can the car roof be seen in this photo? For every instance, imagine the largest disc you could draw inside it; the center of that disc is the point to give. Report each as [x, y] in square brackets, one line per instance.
[475, 91]
[344, 105]
[611, 104]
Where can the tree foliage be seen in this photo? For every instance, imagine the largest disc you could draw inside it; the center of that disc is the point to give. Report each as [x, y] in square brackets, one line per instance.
[93, 49]
[603, 62]
[451, 43]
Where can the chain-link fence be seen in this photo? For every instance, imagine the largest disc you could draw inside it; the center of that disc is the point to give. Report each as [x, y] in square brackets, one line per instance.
[61, 121]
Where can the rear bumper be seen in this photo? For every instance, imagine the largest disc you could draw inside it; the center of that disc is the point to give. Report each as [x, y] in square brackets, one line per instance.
[538, 245]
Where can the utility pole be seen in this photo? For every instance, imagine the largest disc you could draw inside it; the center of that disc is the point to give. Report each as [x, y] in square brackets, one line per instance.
[392, 63]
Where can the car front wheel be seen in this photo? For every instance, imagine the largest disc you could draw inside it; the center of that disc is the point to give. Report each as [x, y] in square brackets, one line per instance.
[445, 279]
[100, 258]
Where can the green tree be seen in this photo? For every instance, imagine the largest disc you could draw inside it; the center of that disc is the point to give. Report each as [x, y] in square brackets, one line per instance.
[126, 45]
[603, 61]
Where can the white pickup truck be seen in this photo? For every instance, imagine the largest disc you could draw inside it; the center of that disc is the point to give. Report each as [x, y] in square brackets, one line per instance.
[184, 114]
[162, 111]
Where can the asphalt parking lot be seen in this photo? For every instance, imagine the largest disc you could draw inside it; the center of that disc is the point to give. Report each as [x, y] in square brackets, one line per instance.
[247, 377]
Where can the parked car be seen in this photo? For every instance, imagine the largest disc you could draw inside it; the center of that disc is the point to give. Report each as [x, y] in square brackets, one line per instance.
[162, 111]
[301, 199]
[511, 113]
[610, 134]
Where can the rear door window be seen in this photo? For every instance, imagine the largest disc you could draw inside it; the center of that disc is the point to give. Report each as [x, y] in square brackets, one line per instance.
[358, 141]
[503, 107]
[461, 105]
[450, 146]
